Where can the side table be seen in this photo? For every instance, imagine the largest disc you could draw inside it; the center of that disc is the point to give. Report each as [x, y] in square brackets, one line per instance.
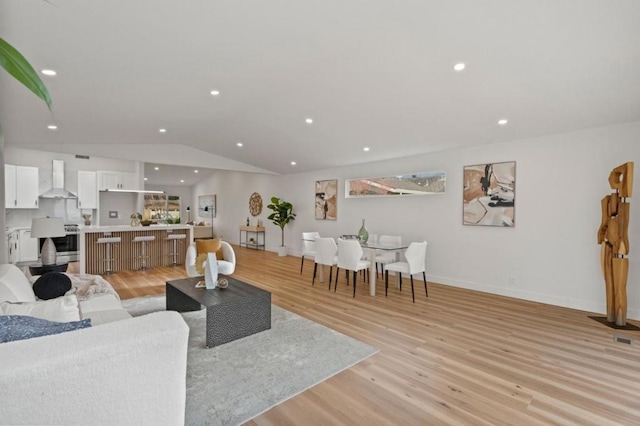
[39, 268]
[255, 231]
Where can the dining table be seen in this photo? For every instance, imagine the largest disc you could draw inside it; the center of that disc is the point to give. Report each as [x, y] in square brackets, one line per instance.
[371, 249]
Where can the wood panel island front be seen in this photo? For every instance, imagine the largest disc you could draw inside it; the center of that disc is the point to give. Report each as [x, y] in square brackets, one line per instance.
[126, 254]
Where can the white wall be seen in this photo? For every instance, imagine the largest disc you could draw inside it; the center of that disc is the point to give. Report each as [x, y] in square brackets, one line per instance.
[551, 254]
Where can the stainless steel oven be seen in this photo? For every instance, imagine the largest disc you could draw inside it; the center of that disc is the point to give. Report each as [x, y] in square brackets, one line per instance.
[68, 245]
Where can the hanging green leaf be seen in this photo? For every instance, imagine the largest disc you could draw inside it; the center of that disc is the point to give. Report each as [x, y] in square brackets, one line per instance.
[16, 65]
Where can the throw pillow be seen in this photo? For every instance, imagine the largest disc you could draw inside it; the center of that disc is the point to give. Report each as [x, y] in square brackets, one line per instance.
[51, 285]
[14, 285]
[207, 246]
[60, 309]
[20, 327]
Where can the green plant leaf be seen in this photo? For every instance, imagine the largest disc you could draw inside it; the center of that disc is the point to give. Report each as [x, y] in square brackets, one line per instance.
[16, 65]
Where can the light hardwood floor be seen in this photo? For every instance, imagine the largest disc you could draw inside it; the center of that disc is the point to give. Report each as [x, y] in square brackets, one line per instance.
[458, 357]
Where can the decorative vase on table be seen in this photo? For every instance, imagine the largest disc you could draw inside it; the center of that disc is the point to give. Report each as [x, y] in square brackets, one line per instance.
[363, 234]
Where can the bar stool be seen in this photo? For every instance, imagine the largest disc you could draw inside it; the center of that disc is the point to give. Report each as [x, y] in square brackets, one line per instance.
[176, 238]
[143, 239]
[108, 242]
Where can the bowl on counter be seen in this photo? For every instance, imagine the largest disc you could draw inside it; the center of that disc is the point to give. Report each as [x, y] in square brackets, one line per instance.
[146, 222]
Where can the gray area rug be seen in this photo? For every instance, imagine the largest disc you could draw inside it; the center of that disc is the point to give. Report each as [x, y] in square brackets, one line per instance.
[235, 382]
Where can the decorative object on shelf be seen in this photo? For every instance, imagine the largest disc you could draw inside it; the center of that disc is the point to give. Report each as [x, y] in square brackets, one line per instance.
[255, 204]
[613, 236]
[423, 183]
[48, 227]
[326, 199]
[363, 234]
[87, 219]
[489, 194]
[282, 214]
[188, 214]
[248, 221]
[146, 222]
[135, 219]
[208, 202]
[212, 210]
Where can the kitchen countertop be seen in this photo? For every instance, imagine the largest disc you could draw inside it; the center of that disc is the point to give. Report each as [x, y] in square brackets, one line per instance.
[126, 228]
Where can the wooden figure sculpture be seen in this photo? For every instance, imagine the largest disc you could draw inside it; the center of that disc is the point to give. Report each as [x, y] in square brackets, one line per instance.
[614, 237]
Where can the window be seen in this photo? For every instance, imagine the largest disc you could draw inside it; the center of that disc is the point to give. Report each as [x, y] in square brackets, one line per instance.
[162, 208]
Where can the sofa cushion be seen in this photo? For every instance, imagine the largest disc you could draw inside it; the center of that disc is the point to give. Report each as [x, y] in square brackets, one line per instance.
[51, 285]
[20, 327]
[14, 285]
[103, 309]
[103, 317]
[60, 309]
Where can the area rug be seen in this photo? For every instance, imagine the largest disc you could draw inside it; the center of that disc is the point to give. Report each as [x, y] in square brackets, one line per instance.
[235, 382]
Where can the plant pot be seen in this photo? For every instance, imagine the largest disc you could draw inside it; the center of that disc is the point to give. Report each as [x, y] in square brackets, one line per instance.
[282, 250]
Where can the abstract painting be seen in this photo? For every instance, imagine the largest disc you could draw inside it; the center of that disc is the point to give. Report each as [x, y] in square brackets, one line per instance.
[327, 199]
[423, 183]
[489, 194]
[207, 201]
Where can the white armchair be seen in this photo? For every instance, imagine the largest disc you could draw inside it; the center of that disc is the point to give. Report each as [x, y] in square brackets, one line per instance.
[226, 265]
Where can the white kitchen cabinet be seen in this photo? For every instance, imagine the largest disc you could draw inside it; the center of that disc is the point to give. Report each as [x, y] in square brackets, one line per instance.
[21, 187]
[87, 190]
[28, 247]
[117, 180]
[14, 249]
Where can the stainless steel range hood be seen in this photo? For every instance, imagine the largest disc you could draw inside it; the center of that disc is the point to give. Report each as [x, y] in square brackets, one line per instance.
[58, 190]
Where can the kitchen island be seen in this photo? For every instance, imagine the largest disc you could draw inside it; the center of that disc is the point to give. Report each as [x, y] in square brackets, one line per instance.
[125, 254]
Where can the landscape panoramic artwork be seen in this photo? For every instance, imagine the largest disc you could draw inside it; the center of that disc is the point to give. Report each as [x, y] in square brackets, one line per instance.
[422, 183]
[489, 194]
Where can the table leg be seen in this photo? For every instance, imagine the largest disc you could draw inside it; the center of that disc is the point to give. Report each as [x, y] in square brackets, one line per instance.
[372, 272]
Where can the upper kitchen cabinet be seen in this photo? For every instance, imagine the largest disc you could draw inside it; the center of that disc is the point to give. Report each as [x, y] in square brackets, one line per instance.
[87, 189]
[21, 187]
[117, 180]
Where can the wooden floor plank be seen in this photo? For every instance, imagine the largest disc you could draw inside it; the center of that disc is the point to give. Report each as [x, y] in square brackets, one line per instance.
[457, 357]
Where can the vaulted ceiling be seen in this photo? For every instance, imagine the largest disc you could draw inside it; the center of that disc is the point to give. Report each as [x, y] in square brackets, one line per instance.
[375, 74]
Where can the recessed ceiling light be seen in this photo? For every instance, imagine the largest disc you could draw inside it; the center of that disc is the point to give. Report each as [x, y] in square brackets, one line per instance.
[240, 144]
[293, 163]
[195, 171]
[215, 92]
[309, 120]
[503, 121]
[459, 66]
[163, 130]
[181, 180]
[156, 168]
[146, 178]
[49, 72]
[366, 149]
[52, 127]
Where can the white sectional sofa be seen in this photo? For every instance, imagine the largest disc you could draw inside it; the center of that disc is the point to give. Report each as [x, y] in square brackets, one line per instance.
[121, 370]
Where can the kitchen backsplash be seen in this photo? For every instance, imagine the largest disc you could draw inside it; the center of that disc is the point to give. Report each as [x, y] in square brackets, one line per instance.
[64, 208]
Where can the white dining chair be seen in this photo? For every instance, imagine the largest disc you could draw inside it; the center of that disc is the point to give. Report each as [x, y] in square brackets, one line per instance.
[416, 255]
[326, 250]
[350, 259]
[387, 256]
[308, 246]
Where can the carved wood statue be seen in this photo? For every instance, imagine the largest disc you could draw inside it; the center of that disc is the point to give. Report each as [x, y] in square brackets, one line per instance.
[613, 236]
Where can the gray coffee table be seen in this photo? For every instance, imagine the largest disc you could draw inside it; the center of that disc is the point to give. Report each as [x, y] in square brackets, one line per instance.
[234, 312]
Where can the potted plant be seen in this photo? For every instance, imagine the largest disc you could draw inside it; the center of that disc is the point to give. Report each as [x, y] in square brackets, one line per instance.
[282, 214]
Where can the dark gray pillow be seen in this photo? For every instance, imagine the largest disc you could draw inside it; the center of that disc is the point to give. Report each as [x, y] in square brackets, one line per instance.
[20, 327]
[51, 285]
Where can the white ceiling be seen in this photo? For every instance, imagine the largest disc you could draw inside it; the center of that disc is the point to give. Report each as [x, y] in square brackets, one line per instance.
[369, 73]
[172, 175]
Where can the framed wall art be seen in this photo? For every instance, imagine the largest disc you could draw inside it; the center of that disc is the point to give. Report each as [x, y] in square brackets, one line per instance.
[422, 183]
[327, 199]
[208, 202]
[489, 194]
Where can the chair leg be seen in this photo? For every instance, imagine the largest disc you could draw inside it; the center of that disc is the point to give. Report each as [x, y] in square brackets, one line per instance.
[413, 295]
[335, 286]
[346, 275]
[315, 269]
[400, 278]
[355, 275]
[424, 277]
[301, 264]
[331, 275]
[386, 282]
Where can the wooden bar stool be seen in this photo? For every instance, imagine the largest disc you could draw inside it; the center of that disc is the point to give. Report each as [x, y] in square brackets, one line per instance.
[108, 242]
[143, 240]
[175, 238]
